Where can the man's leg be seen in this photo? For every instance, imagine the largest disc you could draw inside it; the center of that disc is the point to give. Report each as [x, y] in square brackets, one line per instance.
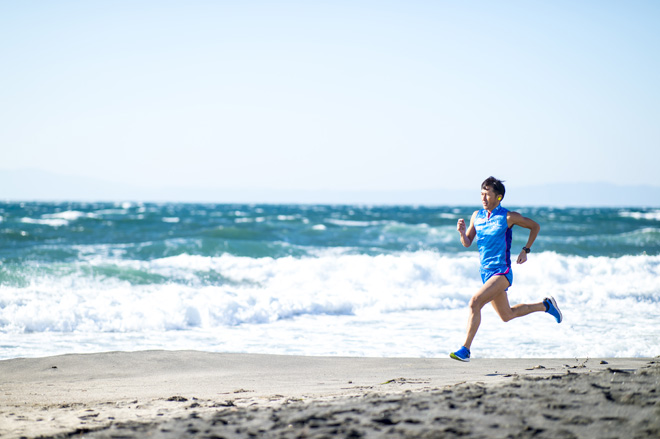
[493, 288]
[507, 312]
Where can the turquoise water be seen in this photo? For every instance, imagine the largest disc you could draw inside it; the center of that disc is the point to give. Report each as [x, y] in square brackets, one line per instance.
[80, 277]
[60, 232]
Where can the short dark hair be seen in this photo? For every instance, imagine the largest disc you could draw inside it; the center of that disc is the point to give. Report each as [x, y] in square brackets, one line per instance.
[497, 185]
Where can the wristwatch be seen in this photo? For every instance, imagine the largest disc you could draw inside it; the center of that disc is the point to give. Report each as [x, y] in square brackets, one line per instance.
[527, 250]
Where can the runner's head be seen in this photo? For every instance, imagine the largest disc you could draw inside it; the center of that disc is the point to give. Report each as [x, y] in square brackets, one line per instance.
[496, 185]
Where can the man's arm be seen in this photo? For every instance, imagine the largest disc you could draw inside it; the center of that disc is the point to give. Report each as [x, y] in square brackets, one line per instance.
[467, 237]
[514, 218]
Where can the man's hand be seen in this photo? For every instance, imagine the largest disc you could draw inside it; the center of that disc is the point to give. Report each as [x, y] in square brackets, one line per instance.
[461, 226]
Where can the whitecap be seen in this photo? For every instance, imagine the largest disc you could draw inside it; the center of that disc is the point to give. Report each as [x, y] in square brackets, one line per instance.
[69, 215]
[46, 222]
[354, 223]
[652, 215]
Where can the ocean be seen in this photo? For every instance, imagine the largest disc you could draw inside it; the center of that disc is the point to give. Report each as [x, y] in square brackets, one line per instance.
[357, 280]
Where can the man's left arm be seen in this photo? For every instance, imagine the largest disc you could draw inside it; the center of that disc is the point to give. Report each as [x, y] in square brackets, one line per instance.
[516, 219]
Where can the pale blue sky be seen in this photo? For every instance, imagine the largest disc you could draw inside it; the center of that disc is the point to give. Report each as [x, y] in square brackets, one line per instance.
[332, 95]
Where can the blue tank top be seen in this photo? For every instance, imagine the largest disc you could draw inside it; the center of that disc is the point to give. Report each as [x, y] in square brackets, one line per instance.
[493, 239]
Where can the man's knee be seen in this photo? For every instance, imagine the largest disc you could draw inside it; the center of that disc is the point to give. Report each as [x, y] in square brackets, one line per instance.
[507, 317]
[475, 304]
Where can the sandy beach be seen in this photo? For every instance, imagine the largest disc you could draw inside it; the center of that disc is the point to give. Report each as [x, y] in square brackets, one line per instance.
[172, 394]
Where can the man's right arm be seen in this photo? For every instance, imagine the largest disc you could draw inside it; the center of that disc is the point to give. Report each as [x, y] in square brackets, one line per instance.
[467, 236]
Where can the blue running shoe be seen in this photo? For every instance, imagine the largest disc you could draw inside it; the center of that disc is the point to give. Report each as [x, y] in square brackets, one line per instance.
[552, 308]
[463, 354]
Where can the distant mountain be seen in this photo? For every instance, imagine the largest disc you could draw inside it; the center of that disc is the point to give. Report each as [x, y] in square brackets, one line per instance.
[32, 185]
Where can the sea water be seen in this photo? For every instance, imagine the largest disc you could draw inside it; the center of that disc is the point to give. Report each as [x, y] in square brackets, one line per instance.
[383, 281]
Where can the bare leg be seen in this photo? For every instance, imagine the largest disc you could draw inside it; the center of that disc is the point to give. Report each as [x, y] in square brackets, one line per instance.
[492, 289]
[507, 312]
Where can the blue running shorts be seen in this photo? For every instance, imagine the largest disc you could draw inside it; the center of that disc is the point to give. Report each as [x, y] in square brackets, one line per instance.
[487, 274]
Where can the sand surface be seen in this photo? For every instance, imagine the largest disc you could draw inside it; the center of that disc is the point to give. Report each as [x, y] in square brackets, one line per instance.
[177, 394]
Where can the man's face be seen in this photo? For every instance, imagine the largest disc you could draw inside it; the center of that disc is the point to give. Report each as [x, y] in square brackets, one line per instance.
[489, 198]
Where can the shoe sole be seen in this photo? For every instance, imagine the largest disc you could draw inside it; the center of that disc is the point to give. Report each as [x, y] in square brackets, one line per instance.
[456, 357]
[554, 304]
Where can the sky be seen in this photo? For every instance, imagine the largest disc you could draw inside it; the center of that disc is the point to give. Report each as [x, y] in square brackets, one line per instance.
[331, 95]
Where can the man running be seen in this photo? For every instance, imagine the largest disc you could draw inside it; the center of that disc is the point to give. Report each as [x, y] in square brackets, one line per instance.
[492, 226]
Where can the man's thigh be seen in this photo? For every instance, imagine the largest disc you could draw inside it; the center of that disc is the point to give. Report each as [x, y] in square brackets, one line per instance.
[494, 287]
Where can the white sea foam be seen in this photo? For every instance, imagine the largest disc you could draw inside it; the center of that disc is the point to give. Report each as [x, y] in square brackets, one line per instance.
[336, 303]
[69, 215]
[54, 222]
[651, 215]
[59, 219]
[354, 223]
